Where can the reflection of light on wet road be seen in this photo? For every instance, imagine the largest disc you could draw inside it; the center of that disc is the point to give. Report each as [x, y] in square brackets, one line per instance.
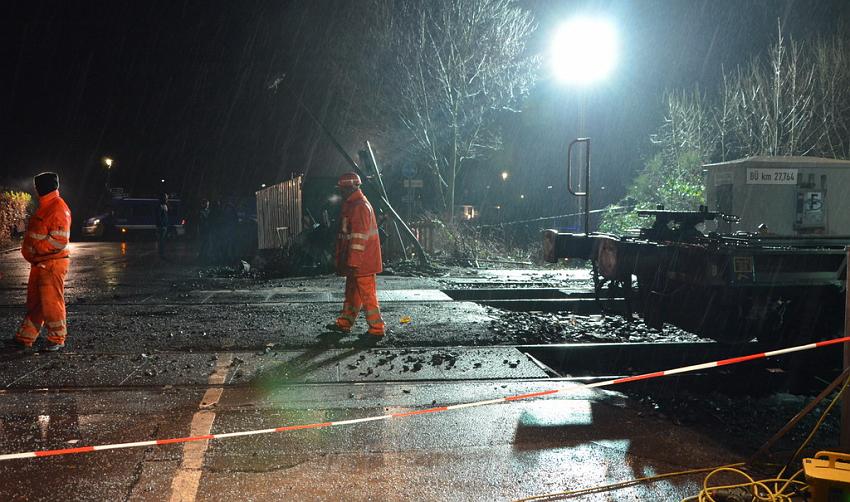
[556, 413]
[43, 424]
[123, 249]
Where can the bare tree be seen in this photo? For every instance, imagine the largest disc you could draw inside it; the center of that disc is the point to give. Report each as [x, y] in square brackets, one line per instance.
[793, 101]
[453, 66]
[796, 101]
[689, 125]
[831, 59]
[772, 103]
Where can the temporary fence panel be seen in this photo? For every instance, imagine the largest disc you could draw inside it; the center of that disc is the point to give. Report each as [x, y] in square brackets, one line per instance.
[278, 214]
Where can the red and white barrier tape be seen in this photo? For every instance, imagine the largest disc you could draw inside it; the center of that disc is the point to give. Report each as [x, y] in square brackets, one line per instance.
[645, 376]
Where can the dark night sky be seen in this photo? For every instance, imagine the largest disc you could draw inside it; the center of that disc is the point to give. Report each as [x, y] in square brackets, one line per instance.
[177, 89]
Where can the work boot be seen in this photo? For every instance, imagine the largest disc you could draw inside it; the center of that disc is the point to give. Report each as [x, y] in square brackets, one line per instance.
[54, 347]
[336, 328]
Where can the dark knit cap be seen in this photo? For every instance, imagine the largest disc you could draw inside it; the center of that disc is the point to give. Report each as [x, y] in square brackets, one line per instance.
[46, 183]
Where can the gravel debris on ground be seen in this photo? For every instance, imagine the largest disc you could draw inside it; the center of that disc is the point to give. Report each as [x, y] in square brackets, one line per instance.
[565, 327]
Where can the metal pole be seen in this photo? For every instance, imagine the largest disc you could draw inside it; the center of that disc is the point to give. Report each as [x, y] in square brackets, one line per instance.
[578, 193]
[587, 189]
[845, 400]
[582, 106]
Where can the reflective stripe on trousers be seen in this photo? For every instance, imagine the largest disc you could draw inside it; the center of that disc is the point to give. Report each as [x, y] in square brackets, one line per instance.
[348, 315]
[361, 292]
[45, 302]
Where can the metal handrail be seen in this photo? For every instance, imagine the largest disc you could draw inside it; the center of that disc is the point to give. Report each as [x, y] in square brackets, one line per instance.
[586, 192]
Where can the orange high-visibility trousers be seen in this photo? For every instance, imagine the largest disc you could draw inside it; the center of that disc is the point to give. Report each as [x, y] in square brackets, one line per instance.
[361, 294]
[45, 302]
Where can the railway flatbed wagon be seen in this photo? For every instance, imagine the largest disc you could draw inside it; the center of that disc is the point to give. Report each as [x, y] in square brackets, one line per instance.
[775, 272]
[728, 288]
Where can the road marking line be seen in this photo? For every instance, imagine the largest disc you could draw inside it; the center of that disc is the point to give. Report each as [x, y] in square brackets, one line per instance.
[202, 434]
[187, 479]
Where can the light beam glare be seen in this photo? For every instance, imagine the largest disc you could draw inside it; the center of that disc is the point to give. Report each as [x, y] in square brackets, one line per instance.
[584, 51]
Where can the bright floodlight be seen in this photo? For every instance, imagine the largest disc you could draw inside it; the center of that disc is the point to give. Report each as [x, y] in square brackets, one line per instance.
[584, 50]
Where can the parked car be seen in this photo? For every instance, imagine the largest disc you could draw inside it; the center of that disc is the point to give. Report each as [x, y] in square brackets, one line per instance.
[134, 215]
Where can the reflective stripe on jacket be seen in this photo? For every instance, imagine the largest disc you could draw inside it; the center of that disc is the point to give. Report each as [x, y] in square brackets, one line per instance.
[48, 231]
[358, 244]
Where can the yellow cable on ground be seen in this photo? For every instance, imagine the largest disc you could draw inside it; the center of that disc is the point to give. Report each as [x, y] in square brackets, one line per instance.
[816, 426]
[761, 490]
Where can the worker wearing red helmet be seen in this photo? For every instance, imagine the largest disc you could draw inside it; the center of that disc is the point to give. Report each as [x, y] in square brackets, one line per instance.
[45, 246]
[358, 257]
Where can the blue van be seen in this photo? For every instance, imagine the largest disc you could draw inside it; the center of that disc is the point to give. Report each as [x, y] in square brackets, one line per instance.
[134, 215]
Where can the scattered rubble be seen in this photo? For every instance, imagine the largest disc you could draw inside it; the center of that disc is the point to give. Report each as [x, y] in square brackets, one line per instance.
[539, 327]
[411, 268]
[736, 416]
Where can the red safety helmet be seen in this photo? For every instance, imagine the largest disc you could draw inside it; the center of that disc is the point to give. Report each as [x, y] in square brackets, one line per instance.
[349, 180]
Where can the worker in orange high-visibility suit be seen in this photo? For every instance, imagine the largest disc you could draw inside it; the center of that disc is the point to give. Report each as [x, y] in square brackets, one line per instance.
[358, 257]
[45, 246]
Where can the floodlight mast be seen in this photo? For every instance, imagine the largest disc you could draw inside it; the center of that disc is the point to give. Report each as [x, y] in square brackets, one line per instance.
[583, 51]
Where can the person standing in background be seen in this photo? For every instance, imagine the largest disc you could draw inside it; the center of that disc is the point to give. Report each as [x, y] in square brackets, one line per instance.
[162, 224]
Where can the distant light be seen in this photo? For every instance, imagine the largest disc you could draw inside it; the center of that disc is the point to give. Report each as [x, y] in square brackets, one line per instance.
[504, 175]
[162, 181]
[108, 162]
[584, 50]
[549, 187]
[123, 230]
[522, 196]
[263, 185]
[334, 199]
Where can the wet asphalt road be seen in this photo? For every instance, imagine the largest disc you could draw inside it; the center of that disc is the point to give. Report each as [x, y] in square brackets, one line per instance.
[156, 350]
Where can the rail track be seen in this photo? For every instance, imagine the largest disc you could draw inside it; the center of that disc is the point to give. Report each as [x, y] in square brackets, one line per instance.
[580, 362]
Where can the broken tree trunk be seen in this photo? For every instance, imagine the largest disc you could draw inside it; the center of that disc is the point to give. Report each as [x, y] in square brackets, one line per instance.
[368, 157]
[423, 257]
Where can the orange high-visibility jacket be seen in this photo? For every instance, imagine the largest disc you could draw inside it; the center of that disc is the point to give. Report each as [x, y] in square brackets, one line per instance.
[358, 245]
[48, 231]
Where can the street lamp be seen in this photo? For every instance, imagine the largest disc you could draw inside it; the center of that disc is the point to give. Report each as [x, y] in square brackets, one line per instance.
[583, 51]
[108, 163]
[504, 175]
